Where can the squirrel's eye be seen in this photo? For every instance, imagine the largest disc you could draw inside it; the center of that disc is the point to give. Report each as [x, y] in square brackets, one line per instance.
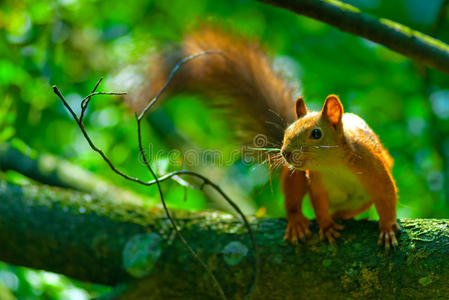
[316, 134]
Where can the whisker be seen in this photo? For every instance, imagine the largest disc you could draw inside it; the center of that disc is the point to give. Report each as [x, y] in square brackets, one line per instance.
[324, 146]
[272, 161]
[277, 115]
[276, 155]
[264, 149]
[277, 144]
[267, 160]
[278, 162]
[275, 125]
[263, 162]
[271, 181]
[275, 166]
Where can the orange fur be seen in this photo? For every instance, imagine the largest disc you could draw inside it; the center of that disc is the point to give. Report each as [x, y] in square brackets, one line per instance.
[345, 170]
[348, 168]
[294, 187]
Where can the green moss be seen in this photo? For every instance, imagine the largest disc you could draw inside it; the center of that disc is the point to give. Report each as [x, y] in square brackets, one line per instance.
[369, 280]
[327, 262]
[426, 280]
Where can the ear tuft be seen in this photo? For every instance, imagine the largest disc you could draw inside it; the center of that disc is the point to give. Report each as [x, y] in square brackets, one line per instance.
[300, 107]
[333, 110]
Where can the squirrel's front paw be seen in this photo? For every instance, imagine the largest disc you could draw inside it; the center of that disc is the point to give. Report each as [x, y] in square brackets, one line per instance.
[387, 236]
[330, 232]
[298, 227]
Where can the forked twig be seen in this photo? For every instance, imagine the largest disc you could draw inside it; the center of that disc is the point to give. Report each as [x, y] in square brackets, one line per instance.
[205, 181]
[90, 142]
[79, 121]
[172, 221]
[176, 174]
[172, 73]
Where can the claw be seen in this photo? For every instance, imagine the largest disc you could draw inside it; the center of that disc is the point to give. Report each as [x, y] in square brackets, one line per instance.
[331, 232]
[387, 237]
[330, 238]
[338, 226]
[297, 228]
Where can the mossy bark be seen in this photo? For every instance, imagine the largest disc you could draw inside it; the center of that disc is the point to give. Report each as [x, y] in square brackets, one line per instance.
[98, 241]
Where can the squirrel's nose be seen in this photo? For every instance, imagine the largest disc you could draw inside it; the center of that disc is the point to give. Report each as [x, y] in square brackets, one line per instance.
[286, 154]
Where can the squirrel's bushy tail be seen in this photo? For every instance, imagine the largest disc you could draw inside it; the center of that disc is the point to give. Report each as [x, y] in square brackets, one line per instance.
[237, 77]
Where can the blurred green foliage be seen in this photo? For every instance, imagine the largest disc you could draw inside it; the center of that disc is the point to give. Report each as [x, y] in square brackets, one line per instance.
[71, 43]
[23, 283]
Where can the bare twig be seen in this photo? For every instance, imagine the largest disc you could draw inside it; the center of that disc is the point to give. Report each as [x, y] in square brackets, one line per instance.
[85, 101]
[205, 181]
[172, 221]
[111, 165]
[90, 142]
[172, 73]
[174, 175]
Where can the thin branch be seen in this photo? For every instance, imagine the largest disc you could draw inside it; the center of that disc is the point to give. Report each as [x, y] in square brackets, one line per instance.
[174, 175]
[172, 73]
[206, 181]
[156, 181]
[90, 142]
[170, 218]
[106, 93]
[85, 101]
[402, 39]
[111, 165]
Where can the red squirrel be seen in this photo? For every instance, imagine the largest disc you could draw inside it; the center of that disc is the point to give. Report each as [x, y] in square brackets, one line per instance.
[333, 156]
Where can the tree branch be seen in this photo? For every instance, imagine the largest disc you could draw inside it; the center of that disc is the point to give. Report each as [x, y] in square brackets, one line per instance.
[54, 171]
[104, 242]
[397, 37]
[13, 159]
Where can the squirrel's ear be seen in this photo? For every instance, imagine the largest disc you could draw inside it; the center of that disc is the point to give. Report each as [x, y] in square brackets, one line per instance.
[300, 107]
[333, 110]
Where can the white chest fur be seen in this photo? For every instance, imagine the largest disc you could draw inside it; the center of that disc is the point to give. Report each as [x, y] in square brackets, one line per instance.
[344, 189]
